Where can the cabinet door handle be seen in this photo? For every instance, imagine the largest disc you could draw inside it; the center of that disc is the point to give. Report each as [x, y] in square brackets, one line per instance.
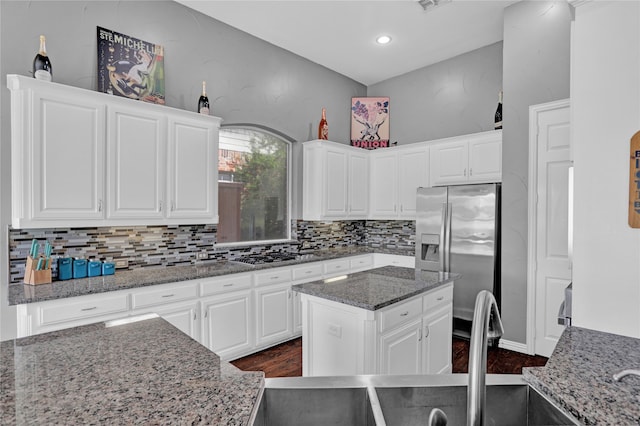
[465, 172]
[160, 205]
[99, 205]
[426, 332]
[173, 205]
[194, 316]
[404, 314]
[289, 291]
[89, 309]
[168, 295]
[401, 208]
[470, 172]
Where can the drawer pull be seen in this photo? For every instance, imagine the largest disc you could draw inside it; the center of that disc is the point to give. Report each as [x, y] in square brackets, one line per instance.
[308, 272]
[89, 309]
[275, 277]
[228, 285]
[440, 298]
[404, 314]
[168, 295]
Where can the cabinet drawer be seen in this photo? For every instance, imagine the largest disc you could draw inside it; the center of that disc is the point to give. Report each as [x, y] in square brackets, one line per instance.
[438, 298]
[397, 315]
[361, 262]
[62, 312]
[165, 294]
[336, 267]
[223, 284]
[308, 272]
[273, 276]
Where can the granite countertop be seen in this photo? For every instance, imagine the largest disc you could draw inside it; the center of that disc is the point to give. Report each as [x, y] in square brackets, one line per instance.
[376, 288]
[141, 277]
[145, 372]
[578, 377]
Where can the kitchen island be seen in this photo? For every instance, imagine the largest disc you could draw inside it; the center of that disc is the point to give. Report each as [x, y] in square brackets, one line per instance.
[139, 371]
[388, 320]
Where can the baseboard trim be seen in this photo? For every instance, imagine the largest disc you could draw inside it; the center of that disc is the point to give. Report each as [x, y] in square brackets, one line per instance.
[513, 346]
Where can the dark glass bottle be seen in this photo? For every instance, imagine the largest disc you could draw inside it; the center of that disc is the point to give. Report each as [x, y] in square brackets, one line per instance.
[323, 127]
[42, 69]
[497, 119]
[203, 102]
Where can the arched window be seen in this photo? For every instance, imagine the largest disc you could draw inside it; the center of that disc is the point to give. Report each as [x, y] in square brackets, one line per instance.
[253, 186]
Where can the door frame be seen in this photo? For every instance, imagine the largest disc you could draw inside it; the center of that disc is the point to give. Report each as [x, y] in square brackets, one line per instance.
[534, 111]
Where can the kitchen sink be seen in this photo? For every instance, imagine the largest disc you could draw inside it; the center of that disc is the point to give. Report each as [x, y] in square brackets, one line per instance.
[400, 400]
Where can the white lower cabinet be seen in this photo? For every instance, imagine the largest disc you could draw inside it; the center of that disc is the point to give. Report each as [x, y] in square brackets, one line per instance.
[274, 313]
[227, 324]
[183, 316]
[401, 350]
[437, 327]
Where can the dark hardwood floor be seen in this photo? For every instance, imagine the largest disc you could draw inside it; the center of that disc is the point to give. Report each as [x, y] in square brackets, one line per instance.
[285, 360]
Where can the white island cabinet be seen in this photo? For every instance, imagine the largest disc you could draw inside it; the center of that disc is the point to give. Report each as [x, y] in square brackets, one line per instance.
[348, 330]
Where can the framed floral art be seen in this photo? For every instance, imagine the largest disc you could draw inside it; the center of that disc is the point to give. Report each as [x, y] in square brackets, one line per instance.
[370, 122]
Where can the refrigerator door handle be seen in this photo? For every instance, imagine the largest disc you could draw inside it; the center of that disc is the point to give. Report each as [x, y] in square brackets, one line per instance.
[447, 239]
[444, 231]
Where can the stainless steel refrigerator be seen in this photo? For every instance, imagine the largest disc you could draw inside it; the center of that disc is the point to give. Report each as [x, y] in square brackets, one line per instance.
[458, 230]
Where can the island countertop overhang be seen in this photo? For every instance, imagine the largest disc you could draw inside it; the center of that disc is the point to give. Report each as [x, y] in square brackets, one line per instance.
[376, 288]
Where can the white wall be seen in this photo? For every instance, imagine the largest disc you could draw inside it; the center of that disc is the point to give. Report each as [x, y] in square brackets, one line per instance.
[605, 100]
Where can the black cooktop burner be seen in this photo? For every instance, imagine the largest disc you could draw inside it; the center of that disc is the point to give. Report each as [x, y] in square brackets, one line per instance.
[257, 259]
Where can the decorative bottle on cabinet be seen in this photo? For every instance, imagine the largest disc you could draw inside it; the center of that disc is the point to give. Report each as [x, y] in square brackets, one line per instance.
[323, 128]
[497, 119]
[42, 69]
[203, 102]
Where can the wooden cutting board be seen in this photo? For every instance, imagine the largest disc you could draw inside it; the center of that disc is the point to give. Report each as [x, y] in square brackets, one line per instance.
[634, 181]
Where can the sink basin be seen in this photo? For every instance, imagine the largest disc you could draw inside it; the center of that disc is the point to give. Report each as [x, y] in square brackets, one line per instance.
[400, 400]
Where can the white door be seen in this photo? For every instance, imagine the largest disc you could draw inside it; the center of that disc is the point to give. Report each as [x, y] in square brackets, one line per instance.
[183, 316]
[337, 181]
[193, 173]
[413, 172]
[136, 163]
[448, 163]
[437, 330]
[226, 323]
[400, 350]
[485, 158]
[358, 185]
[552, 268]
[68, 158]
[384, 184]
[273, 314]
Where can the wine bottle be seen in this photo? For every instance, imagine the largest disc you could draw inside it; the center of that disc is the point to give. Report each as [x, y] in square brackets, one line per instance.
[42, 69]
[323, 128]
[203, 102]
[497, 119]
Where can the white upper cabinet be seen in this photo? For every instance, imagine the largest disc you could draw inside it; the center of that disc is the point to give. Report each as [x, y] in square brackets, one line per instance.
[135, 163]
[396, 173]
[193, 170]
[467, 159]
[83, 158]
[335, 181]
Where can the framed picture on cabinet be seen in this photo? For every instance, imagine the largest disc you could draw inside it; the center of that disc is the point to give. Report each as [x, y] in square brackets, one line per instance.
[130, 67]
[370, 122]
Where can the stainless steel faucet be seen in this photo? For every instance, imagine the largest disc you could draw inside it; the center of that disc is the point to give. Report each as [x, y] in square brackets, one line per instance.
[618, 376]
[486, 325]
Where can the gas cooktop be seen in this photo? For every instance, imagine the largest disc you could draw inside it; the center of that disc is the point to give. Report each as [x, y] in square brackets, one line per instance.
[259, 259]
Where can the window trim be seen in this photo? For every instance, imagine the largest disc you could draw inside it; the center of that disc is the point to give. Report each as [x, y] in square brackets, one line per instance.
[289, 141]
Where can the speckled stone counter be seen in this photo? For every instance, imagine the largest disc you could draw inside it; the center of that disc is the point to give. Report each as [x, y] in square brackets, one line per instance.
[376, 288]
[122, 280]
[146, 372]
[578, 377]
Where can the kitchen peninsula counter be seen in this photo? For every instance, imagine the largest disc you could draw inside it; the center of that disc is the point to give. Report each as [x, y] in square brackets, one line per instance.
[142, 372]
[148, 276]
[579, 377]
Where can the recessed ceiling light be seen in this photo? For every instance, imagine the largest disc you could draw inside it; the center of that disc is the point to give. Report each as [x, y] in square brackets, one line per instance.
[383, 39]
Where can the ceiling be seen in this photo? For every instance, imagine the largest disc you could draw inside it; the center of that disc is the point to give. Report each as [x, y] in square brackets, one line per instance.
[340, 34]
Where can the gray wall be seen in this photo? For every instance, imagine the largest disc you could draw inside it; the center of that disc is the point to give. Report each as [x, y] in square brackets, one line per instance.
[453, 97]
[536, 70]
[248, 80]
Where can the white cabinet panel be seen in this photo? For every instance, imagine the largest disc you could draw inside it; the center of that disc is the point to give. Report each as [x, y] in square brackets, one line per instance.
[227, 324]
[335, 194]
[485, 159]
[163, 294]
[449, 163]
[358, 189]
[193, 170]
[401, 350]
[438, 328]
[273, 314]
[135, 163]
[413, 172]
[183, 316]
[384, 183]
[225, 284]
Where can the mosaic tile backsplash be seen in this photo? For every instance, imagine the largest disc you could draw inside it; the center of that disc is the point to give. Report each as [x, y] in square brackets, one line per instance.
[152, 246]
